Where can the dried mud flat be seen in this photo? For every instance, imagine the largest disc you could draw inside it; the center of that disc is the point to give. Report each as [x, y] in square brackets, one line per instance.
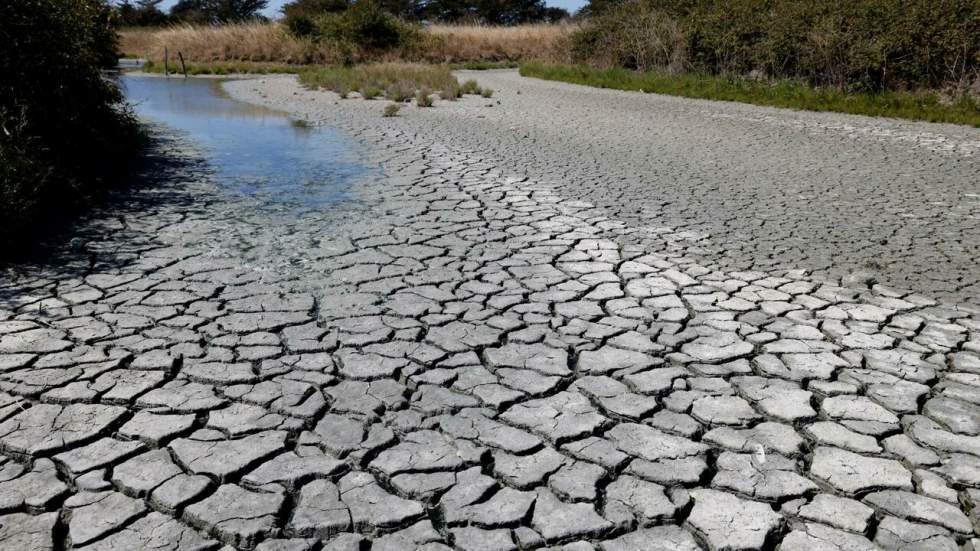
[466, 358]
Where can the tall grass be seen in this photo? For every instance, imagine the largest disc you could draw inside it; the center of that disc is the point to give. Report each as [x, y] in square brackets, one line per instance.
[270, 42]
[259, 42]
[926, 106]
[462, 43]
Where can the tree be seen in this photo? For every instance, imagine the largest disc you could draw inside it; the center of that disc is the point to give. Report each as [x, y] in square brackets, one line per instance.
[63, 138]
[145, 13]
[299, 15]
[217, 11]
[492, 12]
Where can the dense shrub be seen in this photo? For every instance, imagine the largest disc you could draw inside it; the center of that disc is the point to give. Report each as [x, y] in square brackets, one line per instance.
[144, 13]
[63, 136]
[353, 31]
[634, 35]
[299, 16]
[366, 26]
[217, 11]
[484, 12]
[854, 44]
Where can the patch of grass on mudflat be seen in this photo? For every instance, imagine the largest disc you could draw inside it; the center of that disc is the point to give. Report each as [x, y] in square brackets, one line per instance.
[483, 65]
[226, 68]
[924, 106]
[399, 81]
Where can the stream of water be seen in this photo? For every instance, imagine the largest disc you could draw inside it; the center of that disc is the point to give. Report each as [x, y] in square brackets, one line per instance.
[251, 150]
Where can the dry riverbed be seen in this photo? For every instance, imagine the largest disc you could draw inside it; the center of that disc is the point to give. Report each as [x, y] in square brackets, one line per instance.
[749, 187]
[483, 350]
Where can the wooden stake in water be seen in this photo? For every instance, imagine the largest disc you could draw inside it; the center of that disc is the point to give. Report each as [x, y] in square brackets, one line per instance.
[166, 62]
[183, 68]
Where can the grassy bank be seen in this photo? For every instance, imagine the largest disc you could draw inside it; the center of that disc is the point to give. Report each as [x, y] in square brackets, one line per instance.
[227, 68]
[906, 105]
[271, 43]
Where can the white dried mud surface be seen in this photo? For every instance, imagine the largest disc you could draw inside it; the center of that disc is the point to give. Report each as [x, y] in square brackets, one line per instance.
[469, 358]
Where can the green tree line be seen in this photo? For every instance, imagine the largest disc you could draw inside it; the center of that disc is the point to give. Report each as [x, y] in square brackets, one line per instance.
[852, 44]
[140, 13]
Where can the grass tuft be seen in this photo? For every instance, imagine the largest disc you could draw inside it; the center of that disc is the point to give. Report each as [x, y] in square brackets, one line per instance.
[400, 91]
[486, 92]
[370, 92]
[925, 106]
[391, 110]
[423, 98]
[470, 87]
[450, 94]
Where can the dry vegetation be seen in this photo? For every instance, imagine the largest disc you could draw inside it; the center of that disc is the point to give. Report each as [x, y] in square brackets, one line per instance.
[398, 82]
[460, 43]
[261, 42]
[241, 42]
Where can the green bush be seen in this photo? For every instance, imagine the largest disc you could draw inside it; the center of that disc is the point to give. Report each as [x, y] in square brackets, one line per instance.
[365, 26]
[856, 44]
[299, 16]
[63, 136]
[635, 35]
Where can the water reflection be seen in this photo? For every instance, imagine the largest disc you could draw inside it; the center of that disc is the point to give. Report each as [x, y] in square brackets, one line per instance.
[252, 150]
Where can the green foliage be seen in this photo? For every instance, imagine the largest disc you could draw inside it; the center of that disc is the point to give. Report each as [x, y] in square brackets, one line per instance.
[487, 93]
[217, 11]
[857, 45]
[299, 15]
[784, 93]
[391, 110]
[63, 136]
[144, 13]
[490, 12]
[635, 35]
[365, 27]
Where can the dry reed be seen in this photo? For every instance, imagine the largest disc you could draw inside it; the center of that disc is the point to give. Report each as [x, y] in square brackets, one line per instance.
[269, 42]
[240, 42]
[462, 43]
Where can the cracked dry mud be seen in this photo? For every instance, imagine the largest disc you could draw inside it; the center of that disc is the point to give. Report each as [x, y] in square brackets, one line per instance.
[463, 359]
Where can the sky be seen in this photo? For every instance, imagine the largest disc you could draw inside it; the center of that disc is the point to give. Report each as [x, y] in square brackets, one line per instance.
[276, 5]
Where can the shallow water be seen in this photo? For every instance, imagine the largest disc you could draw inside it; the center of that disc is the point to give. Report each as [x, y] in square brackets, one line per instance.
[251, 150]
